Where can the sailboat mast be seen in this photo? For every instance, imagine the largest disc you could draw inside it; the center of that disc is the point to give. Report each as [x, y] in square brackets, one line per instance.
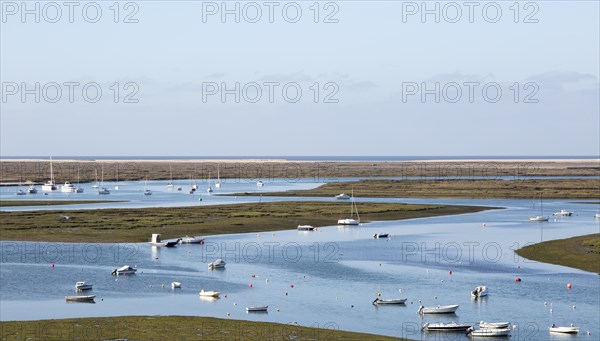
[51, 171]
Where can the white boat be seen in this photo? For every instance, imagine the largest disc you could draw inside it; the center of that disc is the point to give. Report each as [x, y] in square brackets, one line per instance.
[21, 192]
[170, 184]
[541, 216]
[448, 327]
[68, 188]
[218, 183]
[564, 330]
[493, 325]
[259, 183]
[480, 291]
[440, 309]
[563, 213]
[32, 190]
[96, 185]
[81, 286]
[209, 293]
[306, 228]
[342, 196]
[156, 241]
[86, 298]
[209, 189]
[378, 301]
[217, 264]
[191, 240]
[147, 192]
[50, 186]
[489, 332]
[350, 220]
[175, 285]
[597, 216]
[260, 308]
[124, 270]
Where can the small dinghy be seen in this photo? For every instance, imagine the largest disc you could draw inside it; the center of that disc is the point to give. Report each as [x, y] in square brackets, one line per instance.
[563, 213]
[440, 309]
[489, 332]
[209, 293]
[82, 298]
[493, 325]
[480, 291]
[191, 240]
[564, 330]
[389, 301]
[124, 270]
[217, 264]
[381, 235]
[306, 228]
[446, 327]
[175, 285]
[81, 286]
[257, 309]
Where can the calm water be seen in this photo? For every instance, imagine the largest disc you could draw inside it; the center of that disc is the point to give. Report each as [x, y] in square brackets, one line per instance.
[335, 273]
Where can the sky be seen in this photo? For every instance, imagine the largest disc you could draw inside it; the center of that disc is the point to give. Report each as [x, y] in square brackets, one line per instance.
[367, 78]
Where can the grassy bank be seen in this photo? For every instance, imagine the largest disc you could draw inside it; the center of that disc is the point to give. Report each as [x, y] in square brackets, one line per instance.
[16, 203]
[478, 189]
[169, 328]
[581, 252]
[38, 171]
[136, 225]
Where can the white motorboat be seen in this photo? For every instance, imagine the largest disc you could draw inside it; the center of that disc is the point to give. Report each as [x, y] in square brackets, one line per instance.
[209, 293]
[350, 220]
[493, 325]
[447, 327]
[104, 190]
[68, 188]
[170, 184]
[480, 291]
[306, 228]
[82, 298]
[81, 286]
[175, 285]
[342, 196]
[217, 264]
[541, 217]
[260, 308]
[597, 216]
[147, 192]
[563, 213]
[191, 240]
[381, 235]
[209, 189]
[21, 192]
[259, 183]
[564, 330]
[124, 270]
[218, 183]
[489, 332]
[378, 301]
[440, 309]
[32, 190]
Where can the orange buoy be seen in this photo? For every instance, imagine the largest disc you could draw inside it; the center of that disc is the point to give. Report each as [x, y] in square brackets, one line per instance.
[569, 286]
[250, 285]
[518, 279]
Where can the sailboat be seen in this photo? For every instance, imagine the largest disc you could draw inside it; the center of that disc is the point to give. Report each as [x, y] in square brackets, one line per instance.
[117, 183]
[146, 190]
[103, 190]
[50, 186]
[218, 183]
[170, 185]
[209, 189]
[95, 186]
[541, 216]
[20, 191]
[351, 220]
[78, 189]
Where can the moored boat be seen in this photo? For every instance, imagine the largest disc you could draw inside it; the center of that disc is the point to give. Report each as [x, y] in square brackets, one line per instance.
[259, 183]
[68, 188]
[564, 330]
[378, 301]
[209, 293]
[440, 309]
[124, 270]
[342, 196]
[563, 213]
[261, 308]
[480, 291]
[191, 240]
[489, 332]
[32, 190]
[493, 325]
[446, 327]
[82, 298]
[381, 235]
[175, 285]
[306, 228]
[81, 286]
[217, 264]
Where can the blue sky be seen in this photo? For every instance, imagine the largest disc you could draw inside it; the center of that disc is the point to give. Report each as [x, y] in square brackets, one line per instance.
[369, 55]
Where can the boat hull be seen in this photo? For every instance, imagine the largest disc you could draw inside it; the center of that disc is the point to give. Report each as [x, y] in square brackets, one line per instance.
[448, 309]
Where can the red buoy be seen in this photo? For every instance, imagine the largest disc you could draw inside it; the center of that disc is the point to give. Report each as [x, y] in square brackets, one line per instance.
[518, 279]
[52, 265]
[250, 285]
[569, 286]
